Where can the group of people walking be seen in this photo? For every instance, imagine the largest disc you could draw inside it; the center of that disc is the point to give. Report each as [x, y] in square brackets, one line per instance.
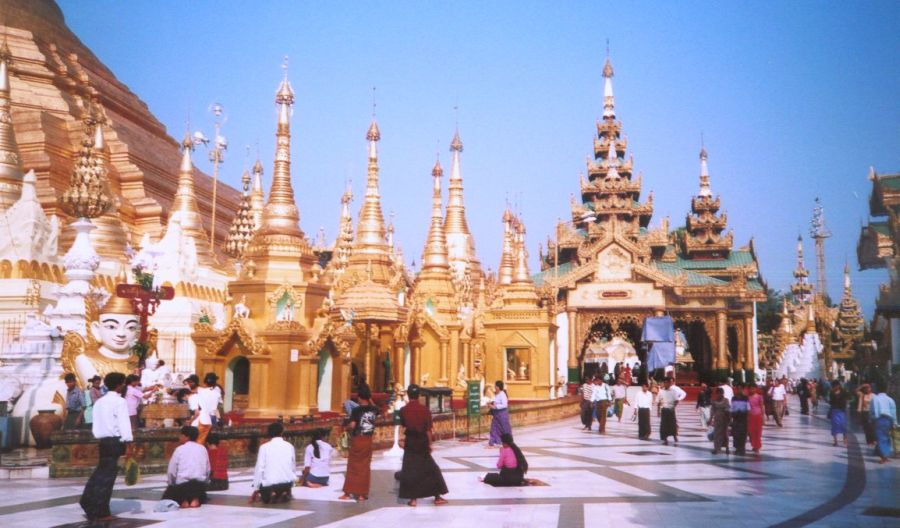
[739, 411]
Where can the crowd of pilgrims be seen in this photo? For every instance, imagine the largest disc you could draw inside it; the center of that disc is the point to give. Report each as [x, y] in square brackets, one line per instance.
[110, 408]
[739, 410]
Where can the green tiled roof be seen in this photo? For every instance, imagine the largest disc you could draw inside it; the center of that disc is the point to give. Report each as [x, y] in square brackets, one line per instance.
[693, 278]
[890, 181]
[754, 284]
[882, 228]
[735, 258]
[564, 268]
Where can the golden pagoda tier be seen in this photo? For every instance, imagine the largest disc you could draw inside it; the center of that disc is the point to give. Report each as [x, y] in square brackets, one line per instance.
[275, 301]
[704, 238]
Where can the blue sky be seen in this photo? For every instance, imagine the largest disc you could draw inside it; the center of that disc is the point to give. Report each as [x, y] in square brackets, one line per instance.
[794, 99]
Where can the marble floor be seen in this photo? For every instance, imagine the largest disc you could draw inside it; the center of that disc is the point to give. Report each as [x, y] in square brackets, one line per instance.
[592, 480]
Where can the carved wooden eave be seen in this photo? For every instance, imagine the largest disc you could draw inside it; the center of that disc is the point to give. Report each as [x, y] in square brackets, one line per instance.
[659, 278]
[422, 320]
[238, 329]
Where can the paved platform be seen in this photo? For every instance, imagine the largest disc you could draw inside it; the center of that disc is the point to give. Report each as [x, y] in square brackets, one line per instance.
[593, 480]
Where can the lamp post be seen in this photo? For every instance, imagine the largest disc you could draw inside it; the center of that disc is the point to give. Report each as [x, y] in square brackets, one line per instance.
[216, 157]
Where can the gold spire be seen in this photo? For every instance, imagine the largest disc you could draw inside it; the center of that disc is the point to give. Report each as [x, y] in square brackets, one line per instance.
[11, 173]
[434, 257]
[507, 257]
[344, 243]
[280, 216]
[243, 225]
[460, 242]
[88, 194]
[704, 173]
[370, 230]
[257, 196]
[609, 103]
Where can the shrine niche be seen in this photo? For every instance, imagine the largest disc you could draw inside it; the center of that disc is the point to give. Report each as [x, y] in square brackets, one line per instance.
[284, 303]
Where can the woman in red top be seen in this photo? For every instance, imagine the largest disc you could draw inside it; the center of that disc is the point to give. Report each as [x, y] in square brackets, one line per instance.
[512, 465]
[755, 418]
[218, 463]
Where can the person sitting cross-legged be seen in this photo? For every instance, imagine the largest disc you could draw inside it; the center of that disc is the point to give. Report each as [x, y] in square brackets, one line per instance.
[188, 471]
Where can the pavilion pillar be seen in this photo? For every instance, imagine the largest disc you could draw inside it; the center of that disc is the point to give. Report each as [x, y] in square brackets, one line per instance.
[399, 367]
[721, 363]
[572, 363]
[445, 361]
[748, 344]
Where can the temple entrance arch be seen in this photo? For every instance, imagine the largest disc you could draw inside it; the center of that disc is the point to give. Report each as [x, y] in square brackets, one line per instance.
[237, 383]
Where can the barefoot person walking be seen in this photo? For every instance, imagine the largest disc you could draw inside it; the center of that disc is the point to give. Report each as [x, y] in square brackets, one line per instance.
[420, 475]
[359, 459]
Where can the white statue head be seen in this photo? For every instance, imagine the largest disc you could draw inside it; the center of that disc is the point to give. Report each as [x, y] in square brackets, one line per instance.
[116, 332]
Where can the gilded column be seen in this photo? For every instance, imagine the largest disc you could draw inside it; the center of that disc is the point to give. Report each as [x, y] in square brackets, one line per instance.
[748, 346]
[572, 364]
[721, 341]
[454, 358]
[399, 367]
[445, 361]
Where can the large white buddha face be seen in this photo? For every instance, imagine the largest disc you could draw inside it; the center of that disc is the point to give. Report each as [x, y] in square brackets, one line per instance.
[116, 332]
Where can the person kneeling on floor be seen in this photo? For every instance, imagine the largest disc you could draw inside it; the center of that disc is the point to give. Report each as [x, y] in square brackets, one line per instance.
[188, 471]
[274, 474]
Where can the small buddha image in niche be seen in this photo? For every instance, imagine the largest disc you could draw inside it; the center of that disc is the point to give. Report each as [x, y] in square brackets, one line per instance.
[517, 364]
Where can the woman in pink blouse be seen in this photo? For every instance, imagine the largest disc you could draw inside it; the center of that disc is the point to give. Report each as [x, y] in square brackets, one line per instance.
[755, 418]
[512, 465]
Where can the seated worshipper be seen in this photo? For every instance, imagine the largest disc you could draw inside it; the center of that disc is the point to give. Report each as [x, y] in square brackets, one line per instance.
[420, 475]
[218, 463]
[317, 461]
[512, 465]
[188, 471]
[274, 476]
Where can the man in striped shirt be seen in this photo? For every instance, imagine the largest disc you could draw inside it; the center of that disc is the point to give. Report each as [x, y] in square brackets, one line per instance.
[587, 407]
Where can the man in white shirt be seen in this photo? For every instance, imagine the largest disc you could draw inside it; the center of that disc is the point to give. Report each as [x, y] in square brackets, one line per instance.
[728, 390]
[779, 395]
[188, 471]
[112, 427]
[668, 399]
[643, 402]
[274, 474]
[600, 396]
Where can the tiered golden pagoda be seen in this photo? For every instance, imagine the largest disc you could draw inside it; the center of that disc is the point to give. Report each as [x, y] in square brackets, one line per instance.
[243, 225]
[367, 294]
[436, 321]
[276, 299]
[850, 322]
[607, 271]
[518, 329]
[704, 238]
[463, 259]
[801, 288]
